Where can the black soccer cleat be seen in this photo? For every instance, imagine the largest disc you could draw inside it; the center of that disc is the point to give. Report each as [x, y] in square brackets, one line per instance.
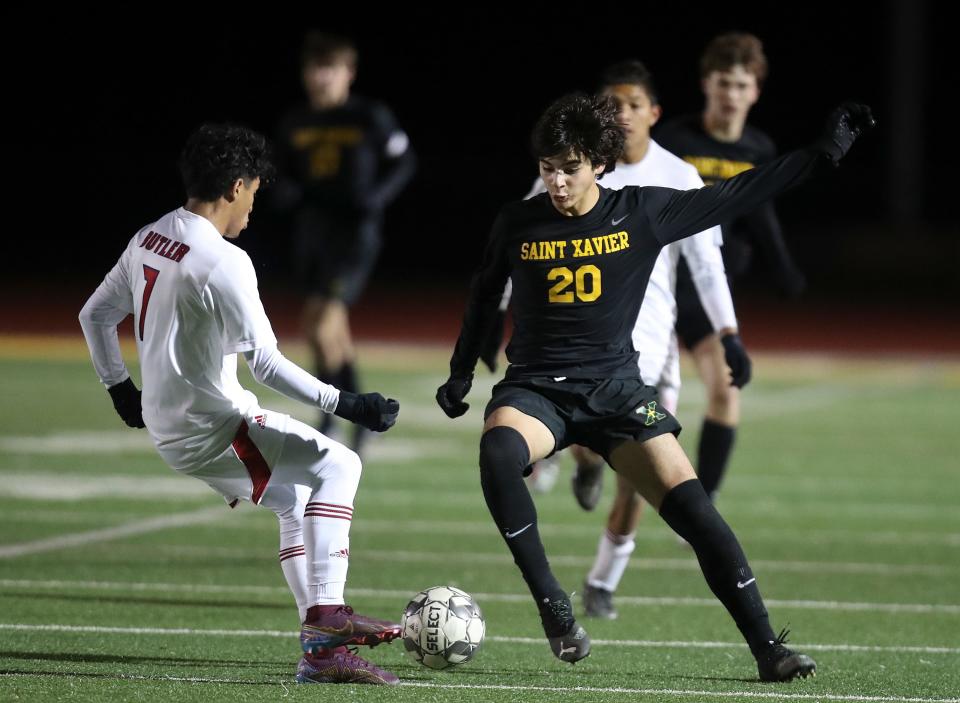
[598, 602]
[587, 484]
[568, 640]
[780, 663]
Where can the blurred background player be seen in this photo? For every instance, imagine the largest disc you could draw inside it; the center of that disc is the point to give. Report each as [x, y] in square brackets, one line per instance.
[196, 306]
[720, 144]
[342, 160]
[646, 163]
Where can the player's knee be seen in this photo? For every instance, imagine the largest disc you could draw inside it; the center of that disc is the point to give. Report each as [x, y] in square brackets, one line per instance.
[503, 449]
[722, 399]
[348, 463]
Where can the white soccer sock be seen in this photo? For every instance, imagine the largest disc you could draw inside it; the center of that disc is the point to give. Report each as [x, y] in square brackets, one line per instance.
[293, 563]
[326, 529]
[613, 553]
[326, 536]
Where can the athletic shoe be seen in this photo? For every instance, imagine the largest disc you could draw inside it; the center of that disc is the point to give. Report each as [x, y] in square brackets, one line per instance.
[340, 665]
[598, 602]
[780, 663]
[339, 625]
[587, 485]
[568, 640]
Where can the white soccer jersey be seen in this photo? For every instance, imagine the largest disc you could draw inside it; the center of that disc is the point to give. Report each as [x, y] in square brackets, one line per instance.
[653, 334]
[195, 304]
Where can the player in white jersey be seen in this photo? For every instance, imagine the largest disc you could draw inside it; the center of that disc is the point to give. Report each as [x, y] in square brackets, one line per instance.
[196, 306]
[646, 163]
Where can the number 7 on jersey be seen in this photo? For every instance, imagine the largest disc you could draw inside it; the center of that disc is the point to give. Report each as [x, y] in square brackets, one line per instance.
[150, 276]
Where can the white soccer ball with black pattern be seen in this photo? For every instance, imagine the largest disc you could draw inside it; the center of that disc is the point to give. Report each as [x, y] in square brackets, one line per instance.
[442, 627]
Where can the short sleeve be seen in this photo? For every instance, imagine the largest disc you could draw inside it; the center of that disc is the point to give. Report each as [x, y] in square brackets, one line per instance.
[243, 321]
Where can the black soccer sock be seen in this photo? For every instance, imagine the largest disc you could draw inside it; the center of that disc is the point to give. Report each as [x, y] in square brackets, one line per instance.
[713, 454]
[688, 510]
[503, 457]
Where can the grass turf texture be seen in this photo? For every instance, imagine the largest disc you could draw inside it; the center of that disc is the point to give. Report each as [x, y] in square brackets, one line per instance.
[120, 580]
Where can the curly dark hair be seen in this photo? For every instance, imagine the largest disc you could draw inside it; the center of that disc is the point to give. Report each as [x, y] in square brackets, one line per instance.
[584, 124]
[216, 155]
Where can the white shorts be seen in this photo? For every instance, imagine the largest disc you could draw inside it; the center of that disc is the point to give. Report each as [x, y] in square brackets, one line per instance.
[243, 470]
[659, 359]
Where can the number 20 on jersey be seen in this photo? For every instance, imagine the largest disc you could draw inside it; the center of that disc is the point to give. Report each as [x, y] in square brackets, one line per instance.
[584, 281]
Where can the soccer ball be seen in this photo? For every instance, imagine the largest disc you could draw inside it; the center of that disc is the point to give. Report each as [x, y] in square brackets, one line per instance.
[442, 626]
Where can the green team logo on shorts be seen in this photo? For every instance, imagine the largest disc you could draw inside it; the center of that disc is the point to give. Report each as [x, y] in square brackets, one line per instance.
[652, 414]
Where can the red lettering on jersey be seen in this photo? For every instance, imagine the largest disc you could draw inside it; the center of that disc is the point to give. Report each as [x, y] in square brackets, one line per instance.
[162, 249]
[150, 240]
[179, 253]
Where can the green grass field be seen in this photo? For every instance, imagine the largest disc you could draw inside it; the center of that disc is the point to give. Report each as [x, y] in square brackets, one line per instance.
[120, 580]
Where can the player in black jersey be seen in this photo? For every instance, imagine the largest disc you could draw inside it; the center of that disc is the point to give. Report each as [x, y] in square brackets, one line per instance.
[342, 160]
[579, 257]
[721, 144]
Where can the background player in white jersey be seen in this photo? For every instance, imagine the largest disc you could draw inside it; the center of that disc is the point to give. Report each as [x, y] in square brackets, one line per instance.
[646, 163]
[196, 306]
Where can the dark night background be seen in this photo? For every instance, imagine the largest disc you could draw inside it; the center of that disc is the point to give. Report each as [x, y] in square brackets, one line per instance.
[105, 112]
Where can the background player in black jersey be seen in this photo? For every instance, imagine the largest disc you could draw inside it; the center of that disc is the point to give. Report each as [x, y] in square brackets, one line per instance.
[721, 144]
[342, 160]
[579, 258]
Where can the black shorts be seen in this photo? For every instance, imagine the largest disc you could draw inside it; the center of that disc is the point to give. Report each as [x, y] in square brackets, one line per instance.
[598, 414]
[693, 325]
[335, 256]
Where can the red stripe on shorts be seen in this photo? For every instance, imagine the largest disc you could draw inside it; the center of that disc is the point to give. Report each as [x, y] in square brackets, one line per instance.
[251, 457]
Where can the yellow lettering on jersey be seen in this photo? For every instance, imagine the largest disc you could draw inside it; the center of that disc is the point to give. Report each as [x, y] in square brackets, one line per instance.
[624, 240]
[713, 169]
[542, 251]
[588, 248]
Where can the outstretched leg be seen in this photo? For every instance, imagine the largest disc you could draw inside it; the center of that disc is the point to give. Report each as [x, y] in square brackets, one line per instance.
[662, 474]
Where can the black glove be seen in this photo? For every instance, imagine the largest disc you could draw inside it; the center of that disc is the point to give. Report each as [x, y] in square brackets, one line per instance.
[737, 359]
[844, 125]
[451, 394]
[371, 410]
[491, 345]
[126, 401]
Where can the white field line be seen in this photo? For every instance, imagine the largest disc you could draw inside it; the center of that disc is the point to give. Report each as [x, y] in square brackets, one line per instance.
[536, 641]
[638, 563]
[565, 690]
[579, 690]
[129, 529]
[806, 535]
[937, 608]
[120, 442]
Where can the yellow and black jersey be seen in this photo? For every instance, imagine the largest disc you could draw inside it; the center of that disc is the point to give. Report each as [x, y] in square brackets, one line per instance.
[578, 282]
[350, 160]
[756, 231]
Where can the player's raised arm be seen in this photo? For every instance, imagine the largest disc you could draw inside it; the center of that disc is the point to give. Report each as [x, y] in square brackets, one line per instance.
[678, 214]
[486, 293]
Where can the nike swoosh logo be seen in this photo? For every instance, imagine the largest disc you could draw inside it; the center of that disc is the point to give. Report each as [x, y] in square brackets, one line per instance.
[559, 378]
[511, 535]
[745, 583]
[566, 650]
[617, 222]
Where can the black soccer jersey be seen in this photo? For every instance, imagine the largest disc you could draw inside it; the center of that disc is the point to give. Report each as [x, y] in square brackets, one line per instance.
[351, 160]
[756, 230]
[578, 282]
